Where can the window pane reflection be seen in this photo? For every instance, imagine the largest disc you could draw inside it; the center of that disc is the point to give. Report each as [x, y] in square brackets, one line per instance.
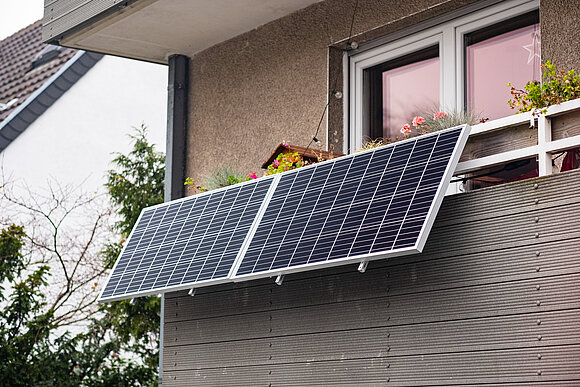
[492, 63]
[407, 91]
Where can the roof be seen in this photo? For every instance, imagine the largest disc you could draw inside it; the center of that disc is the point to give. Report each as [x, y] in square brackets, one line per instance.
[32, 76]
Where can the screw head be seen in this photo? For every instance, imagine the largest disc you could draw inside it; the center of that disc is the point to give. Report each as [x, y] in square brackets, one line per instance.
[536, 219]
[538, 303]
[536, 186]
[539, 337]
[537, 235]
[537, 253]
[538, 287]
[539, 322]
[537, 268]
[539, 372]
[536, 201]
[539, 355]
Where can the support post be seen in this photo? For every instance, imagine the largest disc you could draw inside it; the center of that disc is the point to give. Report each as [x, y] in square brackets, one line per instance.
[544, 138]
[177, 105]
[175, 154]
[161, 321]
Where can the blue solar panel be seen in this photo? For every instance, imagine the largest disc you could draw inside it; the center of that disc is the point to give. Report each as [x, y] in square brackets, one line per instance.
[361, 207]
[365, 206]
[186, 242]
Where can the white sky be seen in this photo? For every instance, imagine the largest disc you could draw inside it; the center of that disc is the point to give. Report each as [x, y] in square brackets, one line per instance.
[17, 14]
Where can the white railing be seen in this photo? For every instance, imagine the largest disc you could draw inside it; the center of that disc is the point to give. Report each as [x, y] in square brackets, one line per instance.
[542, 151]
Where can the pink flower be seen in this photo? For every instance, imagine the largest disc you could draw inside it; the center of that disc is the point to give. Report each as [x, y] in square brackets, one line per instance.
[438, 115]
[275, 163]
[406, 129]
[418, 120]
[252, 175]
[285, 143]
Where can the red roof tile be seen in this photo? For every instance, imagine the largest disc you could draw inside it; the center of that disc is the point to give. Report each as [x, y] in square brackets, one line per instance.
[19, 78]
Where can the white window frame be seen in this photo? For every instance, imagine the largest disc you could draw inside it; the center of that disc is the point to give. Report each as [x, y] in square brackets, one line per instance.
[449, 36]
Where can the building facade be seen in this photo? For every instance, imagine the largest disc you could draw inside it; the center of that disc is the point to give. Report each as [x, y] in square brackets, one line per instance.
[491, 299]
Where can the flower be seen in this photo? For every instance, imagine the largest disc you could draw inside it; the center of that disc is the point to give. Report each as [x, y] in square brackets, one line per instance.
[406, 129]
[285, 143]
[438, 115]
[252, 175]
[275, 163]
[418, 120]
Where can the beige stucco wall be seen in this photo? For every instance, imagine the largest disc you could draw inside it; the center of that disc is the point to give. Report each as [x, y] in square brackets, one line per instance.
[270, 84]
[559, 21]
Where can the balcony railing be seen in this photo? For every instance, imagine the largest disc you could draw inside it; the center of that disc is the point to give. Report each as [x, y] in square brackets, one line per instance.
[523, 136]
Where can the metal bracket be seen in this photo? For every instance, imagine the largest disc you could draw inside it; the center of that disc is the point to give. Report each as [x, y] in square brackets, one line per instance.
[279, 279]
[132, 302]
[192, 292]
[362, 267]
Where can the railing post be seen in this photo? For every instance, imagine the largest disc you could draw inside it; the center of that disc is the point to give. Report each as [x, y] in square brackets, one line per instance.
[544, 137]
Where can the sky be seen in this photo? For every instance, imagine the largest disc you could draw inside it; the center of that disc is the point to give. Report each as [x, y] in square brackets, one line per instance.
[17, 14]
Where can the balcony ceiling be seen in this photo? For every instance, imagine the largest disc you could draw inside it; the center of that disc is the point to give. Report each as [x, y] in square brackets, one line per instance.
[152, 30]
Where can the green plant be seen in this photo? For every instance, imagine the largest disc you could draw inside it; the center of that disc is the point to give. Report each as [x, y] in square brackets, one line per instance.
[285, 162]
[374, 143]
[438, 120]
[557, 86]
[220, 177]
[138, 180]
[190, 184]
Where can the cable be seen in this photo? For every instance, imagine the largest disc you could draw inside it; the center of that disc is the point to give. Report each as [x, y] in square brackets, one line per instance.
[333, 90]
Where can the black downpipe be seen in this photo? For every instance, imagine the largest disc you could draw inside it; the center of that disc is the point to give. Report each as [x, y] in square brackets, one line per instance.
[175, 155]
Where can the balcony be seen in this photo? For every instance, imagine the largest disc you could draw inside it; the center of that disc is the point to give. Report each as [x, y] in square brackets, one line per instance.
[540, 138]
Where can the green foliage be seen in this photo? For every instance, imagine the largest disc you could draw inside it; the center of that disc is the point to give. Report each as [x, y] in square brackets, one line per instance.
[11, 263]
[285, 162]
[438, 120]
[557, 86]
[138, 180]
[118, 345]
[136, 183]
[220, 177]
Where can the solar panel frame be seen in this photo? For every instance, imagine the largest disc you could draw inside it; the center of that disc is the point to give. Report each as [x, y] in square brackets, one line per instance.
[414, 249]
[187, 286]
[232, 275]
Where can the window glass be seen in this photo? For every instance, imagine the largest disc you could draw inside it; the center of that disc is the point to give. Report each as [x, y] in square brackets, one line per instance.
[400, 89]
[491, 63]
[408, 91]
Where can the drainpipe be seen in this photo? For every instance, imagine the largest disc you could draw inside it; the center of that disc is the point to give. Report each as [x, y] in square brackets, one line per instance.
[175, 154]
[176, 127]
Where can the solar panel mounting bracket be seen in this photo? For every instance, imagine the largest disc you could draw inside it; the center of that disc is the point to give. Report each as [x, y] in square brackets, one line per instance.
[362, 267]
[279, 279]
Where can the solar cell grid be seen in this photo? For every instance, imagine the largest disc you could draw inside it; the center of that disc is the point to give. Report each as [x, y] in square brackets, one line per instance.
[187, 241]
[373, 202]
[350, 209]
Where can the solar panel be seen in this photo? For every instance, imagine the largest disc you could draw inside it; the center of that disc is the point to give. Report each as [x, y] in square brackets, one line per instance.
[370, 205]
[186, 242]
[356, 208]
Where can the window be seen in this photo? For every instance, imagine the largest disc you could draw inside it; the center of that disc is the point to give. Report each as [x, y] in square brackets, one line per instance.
[504, 52]
[401, 88]
[461, 63]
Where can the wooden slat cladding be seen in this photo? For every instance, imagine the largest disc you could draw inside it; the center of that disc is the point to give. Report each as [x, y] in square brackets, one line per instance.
[494, 299]
[499, 141]
[566, 125]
